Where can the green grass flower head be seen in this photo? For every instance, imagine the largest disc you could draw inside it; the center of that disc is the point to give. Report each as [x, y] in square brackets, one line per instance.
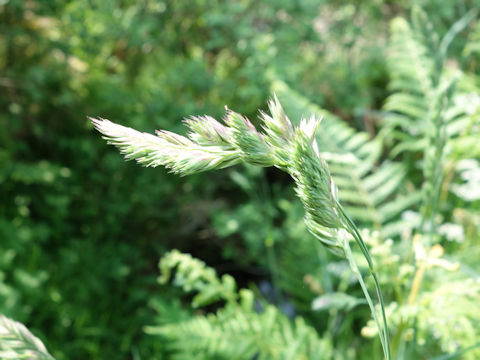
[211, 145]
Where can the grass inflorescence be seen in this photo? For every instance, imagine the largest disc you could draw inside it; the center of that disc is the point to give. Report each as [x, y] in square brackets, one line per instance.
[211, 145]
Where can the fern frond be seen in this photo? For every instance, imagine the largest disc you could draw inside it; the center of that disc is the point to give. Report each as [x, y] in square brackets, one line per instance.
[421, 84]
[237, 334]
[473, 44]
[17, 342]
[236, 331]
[193, 275]
[424, 111]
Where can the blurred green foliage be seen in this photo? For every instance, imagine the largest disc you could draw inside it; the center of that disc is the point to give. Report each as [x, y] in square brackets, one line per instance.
[81, 231]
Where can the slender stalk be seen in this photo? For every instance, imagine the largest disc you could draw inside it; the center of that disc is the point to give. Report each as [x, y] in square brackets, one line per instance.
[417, 281]
[397, 338]
[383, 330]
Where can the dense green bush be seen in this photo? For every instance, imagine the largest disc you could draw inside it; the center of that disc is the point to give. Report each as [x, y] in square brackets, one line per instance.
[82, 231]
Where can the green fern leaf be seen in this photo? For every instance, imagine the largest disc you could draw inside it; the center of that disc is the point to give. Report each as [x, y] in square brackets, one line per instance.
[236, 331]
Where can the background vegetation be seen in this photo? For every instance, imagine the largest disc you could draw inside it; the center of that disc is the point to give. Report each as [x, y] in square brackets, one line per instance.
[82, 231]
